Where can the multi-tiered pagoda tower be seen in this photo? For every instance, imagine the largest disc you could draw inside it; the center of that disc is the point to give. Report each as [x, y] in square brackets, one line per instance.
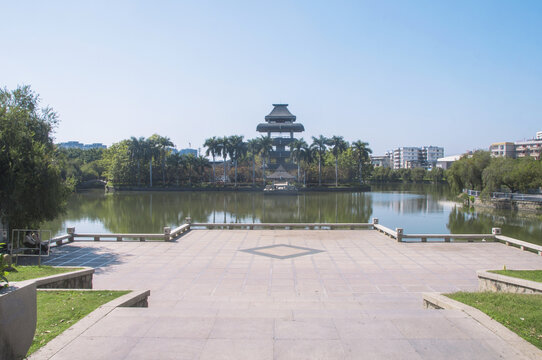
[280, 125]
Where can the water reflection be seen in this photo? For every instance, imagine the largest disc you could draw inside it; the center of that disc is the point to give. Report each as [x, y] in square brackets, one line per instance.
[416, 208]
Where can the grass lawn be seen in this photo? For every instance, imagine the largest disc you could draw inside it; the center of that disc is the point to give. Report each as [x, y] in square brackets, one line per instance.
[533, 275]
[58, 310]
[33, 272]
[521, 313]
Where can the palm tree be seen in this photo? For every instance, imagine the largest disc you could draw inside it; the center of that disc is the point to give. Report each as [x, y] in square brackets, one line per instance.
[200, 164]
[222, 149]
[319, 144]
[307, 155]
[265, 146]
[212, 148]
[137, 150]
[151, 151]
[361, 151]
[236, 149]
[189, 161]
[161, 146]
[253, 147]
[338, 145]
[297, 148]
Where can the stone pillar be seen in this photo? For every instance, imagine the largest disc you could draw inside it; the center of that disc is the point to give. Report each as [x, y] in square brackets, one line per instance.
[399, 232]
[71, 232]
[375, 221]
[496, 231]
[167, 233]
[188, 220]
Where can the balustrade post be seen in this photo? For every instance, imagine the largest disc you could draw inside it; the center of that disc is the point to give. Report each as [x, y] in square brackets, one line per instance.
[399, 232]
[167, 233]
[71, 232]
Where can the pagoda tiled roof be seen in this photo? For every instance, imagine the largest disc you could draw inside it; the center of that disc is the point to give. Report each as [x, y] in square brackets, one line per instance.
[280, 113]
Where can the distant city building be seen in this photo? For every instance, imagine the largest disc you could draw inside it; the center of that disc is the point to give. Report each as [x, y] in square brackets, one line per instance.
[280, 125]
[381, 161]
[503, 149]
[188, 151]
[78, 145]
[519, 149]
[408, 157]
[446, 162]
[430, 155]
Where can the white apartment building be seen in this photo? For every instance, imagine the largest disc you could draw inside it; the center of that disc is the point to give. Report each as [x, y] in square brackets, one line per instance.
[519, 149]
[408, 157]
[431, 154]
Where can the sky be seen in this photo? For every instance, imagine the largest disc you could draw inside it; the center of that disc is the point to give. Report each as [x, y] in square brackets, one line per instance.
[457, 74]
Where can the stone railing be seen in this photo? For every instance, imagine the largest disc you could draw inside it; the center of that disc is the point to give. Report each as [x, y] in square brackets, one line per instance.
[397, 234]
[284, 226]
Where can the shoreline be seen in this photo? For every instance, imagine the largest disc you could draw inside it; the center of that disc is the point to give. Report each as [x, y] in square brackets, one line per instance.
[365, 188]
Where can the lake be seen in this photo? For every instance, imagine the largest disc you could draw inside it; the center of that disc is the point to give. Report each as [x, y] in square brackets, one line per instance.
[415, 208]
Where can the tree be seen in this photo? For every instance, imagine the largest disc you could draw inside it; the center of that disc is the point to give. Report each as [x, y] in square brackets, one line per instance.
[222, 149]
[307, 156]
[297, 147]
[253, 148]
[236, 149]
[361, 151]
[161, 146]
[417, 174]
[31, 187]
[116, 161]
[467, 171]
[320, 144]
[265, 146]
[137, 151]
[338, 145]
[200, 164]
[212, 148]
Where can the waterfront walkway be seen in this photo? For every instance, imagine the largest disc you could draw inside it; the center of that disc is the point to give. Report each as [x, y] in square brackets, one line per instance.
[325, 294]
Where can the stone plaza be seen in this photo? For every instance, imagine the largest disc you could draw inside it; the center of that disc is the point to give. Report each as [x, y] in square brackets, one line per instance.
[288, 294]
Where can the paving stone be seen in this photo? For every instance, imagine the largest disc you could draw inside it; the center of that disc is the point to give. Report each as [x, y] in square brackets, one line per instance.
[360, 297]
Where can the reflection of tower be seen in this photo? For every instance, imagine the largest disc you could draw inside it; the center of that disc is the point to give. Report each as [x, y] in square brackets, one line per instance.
[280, 126]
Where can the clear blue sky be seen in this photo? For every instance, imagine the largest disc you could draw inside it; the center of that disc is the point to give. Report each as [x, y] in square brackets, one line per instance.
[458, 74]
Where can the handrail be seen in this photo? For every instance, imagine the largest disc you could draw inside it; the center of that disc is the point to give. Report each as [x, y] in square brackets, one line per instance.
[398, 234]
[178, 230]
[447, 237]
[386, 230]
[331, 226]
[523, 245]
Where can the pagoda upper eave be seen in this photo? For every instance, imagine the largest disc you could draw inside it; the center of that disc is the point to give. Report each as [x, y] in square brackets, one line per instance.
[279, 127]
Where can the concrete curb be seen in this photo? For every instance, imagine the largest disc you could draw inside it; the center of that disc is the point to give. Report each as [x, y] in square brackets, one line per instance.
[503, 283]
[439, 301]
[134, 298]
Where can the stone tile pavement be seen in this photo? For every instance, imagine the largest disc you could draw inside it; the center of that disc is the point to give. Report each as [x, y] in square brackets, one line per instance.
[358, 298]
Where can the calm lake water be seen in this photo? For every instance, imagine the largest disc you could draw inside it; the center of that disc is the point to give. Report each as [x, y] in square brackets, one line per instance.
[416, 208]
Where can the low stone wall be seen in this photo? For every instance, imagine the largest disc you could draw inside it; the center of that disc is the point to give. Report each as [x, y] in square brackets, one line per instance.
[79, 279]
[507, 204]
[17, 319]
[500, 283]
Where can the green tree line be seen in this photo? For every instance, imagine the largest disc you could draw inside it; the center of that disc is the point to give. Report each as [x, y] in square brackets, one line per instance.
[482, 172]
[153, 161]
